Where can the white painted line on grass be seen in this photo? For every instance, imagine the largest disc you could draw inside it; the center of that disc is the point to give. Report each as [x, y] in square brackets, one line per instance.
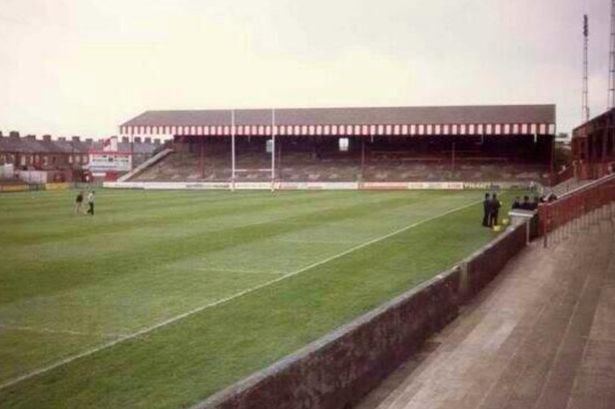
[214, 269]
[292, 241]
[224, 300]
[59, 331]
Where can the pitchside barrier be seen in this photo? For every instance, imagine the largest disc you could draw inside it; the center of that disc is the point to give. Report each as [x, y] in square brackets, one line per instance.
[25, 187]
[21, 187]
[280, 185]
[58, 186]
[15, 188]
[337, 370]
[579, 206]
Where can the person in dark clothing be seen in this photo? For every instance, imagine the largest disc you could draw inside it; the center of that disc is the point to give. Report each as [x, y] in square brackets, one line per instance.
[91, 203]
[495, 209]
[535, 203]
[78, 203]
[486, 209]
[517, 203]
[526, 205]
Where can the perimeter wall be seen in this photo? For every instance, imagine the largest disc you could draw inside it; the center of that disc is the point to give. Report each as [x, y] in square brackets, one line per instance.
[317, 185]
[335, 371]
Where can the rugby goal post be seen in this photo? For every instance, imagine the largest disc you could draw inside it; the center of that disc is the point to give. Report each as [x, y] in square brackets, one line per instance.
[235, 170]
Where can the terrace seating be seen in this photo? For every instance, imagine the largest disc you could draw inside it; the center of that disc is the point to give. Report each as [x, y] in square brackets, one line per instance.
[302, 166]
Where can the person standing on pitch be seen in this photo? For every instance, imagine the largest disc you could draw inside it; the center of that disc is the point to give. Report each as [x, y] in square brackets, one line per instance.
[495, 208]
[91, 203]
[486, 210]
[78, 203]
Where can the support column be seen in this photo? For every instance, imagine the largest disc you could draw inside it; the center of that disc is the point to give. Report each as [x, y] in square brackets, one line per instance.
[272, 149]
[202, 159]
[280, 162]
[132, 152]
[361, 175]
[453, 157]
[182, 142]
[233, 150]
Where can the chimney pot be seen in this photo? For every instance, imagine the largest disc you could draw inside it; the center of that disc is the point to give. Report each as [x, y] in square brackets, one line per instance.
[47, 138]
[14, 134]
[76, 139]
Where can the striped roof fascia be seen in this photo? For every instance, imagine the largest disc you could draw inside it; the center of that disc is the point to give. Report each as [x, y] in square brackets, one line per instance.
[485, 114]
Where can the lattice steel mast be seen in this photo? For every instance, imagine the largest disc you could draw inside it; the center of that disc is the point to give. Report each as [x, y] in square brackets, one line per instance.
[611, 97]
[585, 102]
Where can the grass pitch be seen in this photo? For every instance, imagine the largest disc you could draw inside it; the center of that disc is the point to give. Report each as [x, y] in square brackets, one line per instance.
[163, 298]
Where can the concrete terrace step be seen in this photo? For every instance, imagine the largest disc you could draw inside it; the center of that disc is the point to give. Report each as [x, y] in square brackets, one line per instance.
[541, 336]
[181, 165]
[151, 161]
[568, 186]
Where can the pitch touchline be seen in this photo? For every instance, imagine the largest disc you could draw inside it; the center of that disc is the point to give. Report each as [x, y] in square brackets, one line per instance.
[59, 331]
[224, 300]
[238, 271]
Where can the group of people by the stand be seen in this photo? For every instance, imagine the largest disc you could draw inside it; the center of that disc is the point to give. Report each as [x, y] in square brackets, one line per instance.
[526, 204]
[79, 203]
[491, 206]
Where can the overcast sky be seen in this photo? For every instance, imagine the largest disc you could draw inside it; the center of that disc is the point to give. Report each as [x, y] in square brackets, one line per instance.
[81, 67]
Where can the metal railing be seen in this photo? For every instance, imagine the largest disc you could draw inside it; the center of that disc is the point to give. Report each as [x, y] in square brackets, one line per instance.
[564, 175]
[577, 209]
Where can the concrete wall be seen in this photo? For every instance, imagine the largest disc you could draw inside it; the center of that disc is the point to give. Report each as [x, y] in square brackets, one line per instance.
[482, 267]
[340, 368]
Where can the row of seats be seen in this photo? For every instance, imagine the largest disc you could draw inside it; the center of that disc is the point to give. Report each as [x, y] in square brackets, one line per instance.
[185, 166]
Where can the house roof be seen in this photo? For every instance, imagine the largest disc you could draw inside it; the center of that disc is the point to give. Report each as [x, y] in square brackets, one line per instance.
[124, 147]
[20, 145]
[63, 146]
[597, 123]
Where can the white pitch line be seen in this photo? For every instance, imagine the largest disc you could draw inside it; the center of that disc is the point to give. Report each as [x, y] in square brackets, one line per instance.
[223, 300]
[291, 241]
[59, 331]
[214, 269]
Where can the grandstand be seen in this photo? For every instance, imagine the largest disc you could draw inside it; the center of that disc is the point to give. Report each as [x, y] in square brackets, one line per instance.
[593, 146]
[511, 143]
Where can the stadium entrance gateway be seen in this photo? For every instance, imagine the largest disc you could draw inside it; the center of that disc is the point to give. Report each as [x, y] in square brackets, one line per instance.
[364, 145]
